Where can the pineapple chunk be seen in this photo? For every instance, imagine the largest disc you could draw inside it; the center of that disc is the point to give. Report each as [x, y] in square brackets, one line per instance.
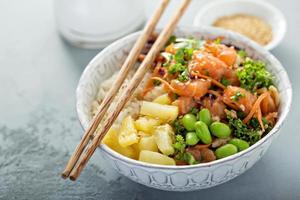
[128, 134]
[164, 138]
[155, 158]
[163, 99]
[111, 140]
[146, 124]
[135, 146]
[148, 143]
[166, 113]
[142, 134]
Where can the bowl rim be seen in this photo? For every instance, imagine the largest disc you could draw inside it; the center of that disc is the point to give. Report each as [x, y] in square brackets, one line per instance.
[276, 12]
[215, 31]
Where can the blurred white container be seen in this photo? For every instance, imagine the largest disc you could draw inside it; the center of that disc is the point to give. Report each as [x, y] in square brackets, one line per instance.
[97, 23]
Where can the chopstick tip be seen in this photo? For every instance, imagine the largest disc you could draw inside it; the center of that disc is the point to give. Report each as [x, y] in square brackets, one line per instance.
[65, 174]
[73, 178]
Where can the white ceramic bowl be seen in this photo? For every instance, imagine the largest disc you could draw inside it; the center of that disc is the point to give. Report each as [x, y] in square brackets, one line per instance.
[210, 12]
[181, 178]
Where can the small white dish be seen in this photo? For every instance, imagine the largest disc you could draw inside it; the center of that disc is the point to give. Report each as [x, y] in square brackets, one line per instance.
[208, 14]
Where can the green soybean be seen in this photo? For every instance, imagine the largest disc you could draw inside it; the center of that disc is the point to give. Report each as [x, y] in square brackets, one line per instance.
[203, 132]
[226, 150]
[240, 144]
[205, 116]
[191, 138]
[220, 130]
[188, 121]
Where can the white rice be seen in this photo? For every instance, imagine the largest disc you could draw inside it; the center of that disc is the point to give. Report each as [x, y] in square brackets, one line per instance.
[133, 106]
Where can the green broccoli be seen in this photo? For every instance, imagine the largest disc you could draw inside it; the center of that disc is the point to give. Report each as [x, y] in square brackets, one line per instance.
[179, 144]
[253, 75]
[242, 131]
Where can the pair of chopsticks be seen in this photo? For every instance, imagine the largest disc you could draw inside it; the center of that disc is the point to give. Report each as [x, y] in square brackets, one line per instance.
[74, 168]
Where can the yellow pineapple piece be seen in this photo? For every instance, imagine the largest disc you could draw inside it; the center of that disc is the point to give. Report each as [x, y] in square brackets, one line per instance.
[142, 134]
[166, 113]
[155, 158]
[128, 134]
[148, 143]
[163, 99]
[111, 140]
[164, 138]
[146, 124]
[136, 148]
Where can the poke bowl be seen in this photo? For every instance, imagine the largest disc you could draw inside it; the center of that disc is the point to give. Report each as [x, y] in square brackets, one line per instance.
[179, 177]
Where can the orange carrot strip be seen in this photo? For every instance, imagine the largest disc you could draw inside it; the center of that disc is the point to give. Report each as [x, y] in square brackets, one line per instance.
[165, 82]
[255, 107]
[215, 82]
[259, 118]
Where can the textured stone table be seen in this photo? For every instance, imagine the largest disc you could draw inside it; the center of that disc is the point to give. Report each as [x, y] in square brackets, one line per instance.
[39, 127]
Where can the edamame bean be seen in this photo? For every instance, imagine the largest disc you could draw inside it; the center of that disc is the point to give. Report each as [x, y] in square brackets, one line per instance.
[189, 121]
[226, 150]
[203, 132]
[205, 116]
[240, 144]
[220, 130]
[191, 138]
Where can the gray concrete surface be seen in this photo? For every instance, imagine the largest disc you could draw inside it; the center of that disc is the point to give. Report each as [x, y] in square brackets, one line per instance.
[39, 127]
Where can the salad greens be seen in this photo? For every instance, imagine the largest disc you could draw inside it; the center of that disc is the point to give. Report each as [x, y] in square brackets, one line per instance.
[179, 145]
[253, 75]
[242, 131]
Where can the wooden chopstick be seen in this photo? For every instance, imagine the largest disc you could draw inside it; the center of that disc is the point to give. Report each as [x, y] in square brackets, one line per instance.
[127, 93]
[126, 67]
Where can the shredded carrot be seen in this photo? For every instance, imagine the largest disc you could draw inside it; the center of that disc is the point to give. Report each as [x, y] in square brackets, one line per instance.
[215, 82]
[255, 107]
[169, 87]
[259, 118]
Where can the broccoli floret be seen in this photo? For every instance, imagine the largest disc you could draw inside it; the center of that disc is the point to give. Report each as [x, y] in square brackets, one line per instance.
[179, 144]
[242, 131]
[181, 154]
[253, 75]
